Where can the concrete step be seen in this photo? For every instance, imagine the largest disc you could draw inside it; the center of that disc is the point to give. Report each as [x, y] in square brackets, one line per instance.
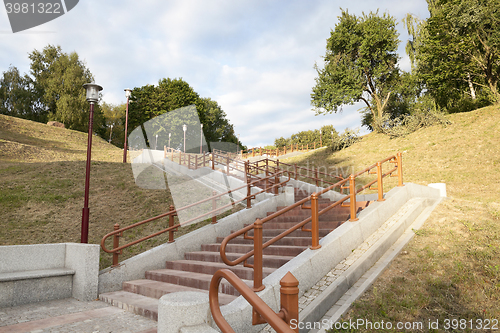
[191, 279]
[296, 233]
[212, 267]
[286, 225]
[245, 248]
[302, 216]
[294, 241]
[156, 289]
[131, 302]
[271, 261]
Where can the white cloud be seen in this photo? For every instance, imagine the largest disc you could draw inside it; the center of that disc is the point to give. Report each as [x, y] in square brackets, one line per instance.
[254, 57]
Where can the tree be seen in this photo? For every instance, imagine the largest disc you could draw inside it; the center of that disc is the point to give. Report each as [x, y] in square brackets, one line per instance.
[114, 116]
[150, 101]
[458, 54]
[17, 98]
[58, 79]
[359, 65]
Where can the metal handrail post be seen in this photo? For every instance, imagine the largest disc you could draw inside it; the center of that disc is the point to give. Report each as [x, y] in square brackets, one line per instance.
[116, 243]
[400, 169]
[214, 206]
[171, 224]
[352, 194]
[315, 222]
[257, 256]
[380, 185]
[289, 299]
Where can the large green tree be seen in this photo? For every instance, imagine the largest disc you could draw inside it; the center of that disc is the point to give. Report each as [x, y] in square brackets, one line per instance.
[18, 98]
[58, 79]
[360, 64]
[458, 51]
[150, 101]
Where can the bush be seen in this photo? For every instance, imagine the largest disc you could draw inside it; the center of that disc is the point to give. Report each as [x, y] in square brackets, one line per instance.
[409, 123]
[346, 139]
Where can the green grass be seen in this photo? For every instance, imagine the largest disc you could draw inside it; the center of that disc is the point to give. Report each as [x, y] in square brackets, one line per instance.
[450, 270]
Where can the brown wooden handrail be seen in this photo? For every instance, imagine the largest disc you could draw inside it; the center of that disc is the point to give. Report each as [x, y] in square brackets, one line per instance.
[262, 313]
[257, 225]
[117, 232]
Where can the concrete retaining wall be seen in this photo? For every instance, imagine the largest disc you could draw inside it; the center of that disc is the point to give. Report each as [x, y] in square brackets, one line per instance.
[33, 273]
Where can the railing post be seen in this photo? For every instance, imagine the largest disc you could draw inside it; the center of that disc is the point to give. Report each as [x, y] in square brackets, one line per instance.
[352, 194]
[248, 179]
[380, 185]
[171, 224]
[276, 182]
[400, 169]
[214, 206]
[204, 159]
[116, 243]
[180, 157]
[257, 256]
[212, 158]
[316, 176]
[315, 222]
[284, 151]
[289, 299]
[196, 162]
[189, 161]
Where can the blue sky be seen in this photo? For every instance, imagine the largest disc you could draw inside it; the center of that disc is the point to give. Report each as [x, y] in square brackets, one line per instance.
[255, 58]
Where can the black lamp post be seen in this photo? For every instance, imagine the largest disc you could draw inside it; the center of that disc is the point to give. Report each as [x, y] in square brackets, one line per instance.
[92, 97]
[128, 92]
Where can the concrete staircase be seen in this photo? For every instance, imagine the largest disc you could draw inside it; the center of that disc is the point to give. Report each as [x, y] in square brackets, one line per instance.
[195, 271]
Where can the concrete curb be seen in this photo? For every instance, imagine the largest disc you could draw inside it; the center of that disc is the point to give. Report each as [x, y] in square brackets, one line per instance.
[344, 303]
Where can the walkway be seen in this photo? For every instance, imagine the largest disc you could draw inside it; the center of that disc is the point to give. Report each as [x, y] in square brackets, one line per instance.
[71, 315]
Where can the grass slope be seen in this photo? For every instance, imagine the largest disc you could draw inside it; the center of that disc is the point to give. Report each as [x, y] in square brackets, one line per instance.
[450, 270]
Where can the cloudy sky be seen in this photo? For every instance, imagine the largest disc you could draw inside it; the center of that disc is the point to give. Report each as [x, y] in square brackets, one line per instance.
[255, 58]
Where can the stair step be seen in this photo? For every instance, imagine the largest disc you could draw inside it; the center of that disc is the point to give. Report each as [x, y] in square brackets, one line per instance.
[296, 233]
[156, 289]
[131, 302]
[286, 225]
[301, 216]
[212, 267]
[267, 260]
[191, 279]
[245, 248]
[296, 241]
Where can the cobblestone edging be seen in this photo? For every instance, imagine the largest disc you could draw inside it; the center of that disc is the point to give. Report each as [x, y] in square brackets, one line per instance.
[338, 270]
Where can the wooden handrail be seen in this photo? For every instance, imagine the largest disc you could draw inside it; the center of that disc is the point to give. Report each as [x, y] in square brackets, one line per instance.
[257, 225]
[262, 313]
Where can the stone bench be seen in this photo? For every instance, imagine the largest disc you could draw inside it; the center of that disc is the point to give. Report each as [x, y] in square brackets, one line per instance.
[24, 287]
[42, 272]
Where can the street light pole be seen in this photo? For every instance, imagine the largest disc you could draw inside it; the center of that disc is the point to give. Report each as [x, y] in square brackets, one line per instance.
[320, 139]
[128, 92]
[169, 135]
[92, 98]
[184, 128]
[201, 139]
[110, 133]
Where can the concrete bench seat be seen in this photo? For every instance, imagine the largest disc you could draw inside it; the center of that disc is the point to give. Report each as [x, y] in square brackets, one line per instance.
[43, 272]
[36, 274]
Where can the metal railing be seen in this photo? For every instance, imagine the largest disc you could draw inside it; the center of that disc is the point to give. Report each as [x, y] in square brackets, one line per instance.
[261, 312]
[348, 183]
[118, 232]
[259, 151]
